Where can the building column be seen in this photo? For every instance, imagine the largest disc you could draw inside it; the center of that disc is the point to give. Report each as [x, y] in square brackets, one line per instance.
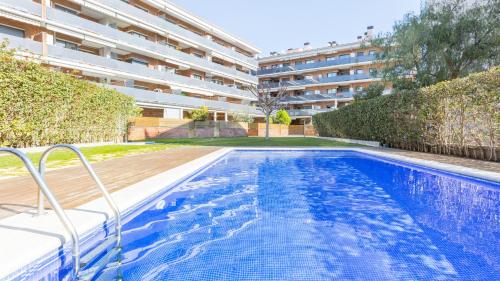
[215, 115]
[225, 116]
[336, 103]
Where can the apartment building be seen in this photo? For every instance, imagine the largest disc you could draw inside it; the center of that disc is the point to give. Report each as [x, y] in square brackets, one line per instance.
[169, 60]
[321, 79]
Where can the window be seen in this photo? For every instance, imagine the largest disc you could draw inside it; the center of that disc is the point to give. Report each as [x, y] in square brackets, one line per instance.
[310, 61]
[299, 62]
[66, 44]
[344, 56]
[360, 54]
[359, 89]
[307, 93]
[373, 71]
[359, 71]
[331, 91]
[331, 74]
[138, 61]
[144, 9]
[217, 81]
[198, 55]
[66, 9]
[372, 52]
[11, 31]
[330, 58]
[137, 34]
[141, 87]
[197, 76]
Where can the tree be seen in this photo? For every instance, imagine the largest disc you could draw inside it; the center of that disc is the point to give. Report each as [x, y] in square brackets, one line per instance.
[268, 100]
[282, 117]
[447, 40]
[200, 114]
[372, 91]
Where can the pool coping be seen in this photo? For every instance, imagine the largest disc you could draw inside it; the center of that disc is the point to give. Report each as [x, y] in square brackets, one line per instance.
[37, 237]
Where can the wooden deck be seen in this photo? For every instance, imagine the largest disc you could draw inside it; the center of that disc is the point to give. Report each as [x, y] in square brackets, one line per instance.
[74, 187]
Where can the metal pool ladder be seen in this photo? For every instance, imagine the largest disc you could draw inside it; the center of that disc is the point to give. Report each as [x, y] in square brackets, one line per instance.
[118, 222]
[44, 190]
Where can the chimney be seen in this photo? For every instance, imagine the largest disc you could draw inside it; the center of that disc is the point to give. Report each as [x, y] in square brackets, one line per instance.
[307, 46]
[360, 38]
[332, 43]
[369, 32]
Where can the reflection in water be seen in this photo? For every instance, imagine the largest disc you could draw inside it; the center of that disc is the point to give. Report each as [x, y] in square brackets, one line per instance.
[314, 216]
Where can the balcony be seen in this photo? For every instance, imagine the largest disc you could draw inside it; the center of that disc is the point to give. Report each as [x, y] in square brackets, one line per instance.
[316, 65]
[95, 32]
[307, 112]
[301, 84]
[105, 67]
[162, 99]
[125, 11]
[317, 97]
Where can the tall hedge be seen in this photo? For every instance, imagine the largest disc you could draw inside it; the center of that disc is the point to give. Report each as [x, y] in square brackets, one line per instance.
[458, 117]
[39, 106]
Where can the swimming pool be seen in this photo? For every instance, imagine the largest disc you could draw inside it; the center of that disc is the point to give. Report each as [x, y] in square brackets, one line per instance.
[313, 215]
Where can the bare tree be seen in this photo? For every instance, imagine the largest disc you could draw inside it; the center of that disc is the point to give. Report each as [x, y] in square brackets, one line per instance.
[268, 99]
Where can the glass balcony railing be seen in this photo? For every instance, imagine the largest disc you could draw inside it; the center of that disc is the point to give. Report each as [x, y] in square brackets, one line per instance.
[317, 97]
[184, 101]
[319, 64]
[170, 28]
[127, 40]
[323, 80]
[307, 112]
[106, 66]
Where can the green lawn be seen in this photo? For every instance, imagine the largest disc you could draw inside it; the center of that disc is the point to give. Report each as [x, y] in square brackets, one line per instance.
[254, 141]
[12, 166]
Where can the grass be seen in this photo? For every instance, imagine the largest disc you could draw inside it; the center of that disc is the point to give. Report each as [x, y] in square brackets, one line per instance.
[12, 166]
[254, 142]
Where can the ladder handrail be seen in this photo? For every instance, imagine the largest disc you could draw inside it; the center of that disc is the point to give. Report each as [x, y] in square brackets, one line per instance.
[45, 190]
[86, 164]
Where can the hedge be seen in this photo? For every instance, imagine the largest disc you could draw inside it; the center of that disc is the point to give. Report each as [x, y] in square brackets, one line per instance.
[458, 117]
[39, 106]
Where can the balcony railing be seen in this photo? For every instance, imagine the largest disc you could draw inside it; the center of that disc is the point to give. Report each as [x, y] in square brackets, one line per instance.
[317, 97]
[163, 99]
[171, 28]
[127, 40]
[319, 64]
[323, 80]
[109, 67]
[307, 112]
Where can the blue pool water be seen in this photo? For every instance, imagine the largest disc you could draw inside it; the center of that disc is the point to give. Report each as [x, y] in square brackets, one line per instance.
[325, 215]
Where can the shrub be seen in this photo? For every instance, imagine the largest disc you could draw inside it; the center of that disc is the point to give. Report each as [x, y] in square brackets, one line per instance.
[282, 117]
[243, 118]
[42, 107]
[457, 117]
[200, 114]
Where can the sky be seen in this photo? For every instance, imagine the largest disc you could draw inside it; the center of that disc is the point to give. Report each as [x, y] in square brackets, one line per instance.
[276, 25]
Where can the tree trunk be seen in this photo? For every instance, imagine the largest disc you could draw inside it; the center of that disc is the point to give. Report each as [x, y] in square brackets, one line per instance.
[267, 126]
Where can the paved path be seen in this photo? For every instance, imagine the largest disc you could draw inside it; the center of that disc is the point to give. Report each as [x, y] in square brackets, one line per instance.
[74, 187]
[469, 163]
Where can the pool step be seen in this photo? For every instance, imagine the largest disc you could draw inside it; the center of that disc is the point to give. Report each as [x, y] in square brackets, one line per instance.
[94, 261]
